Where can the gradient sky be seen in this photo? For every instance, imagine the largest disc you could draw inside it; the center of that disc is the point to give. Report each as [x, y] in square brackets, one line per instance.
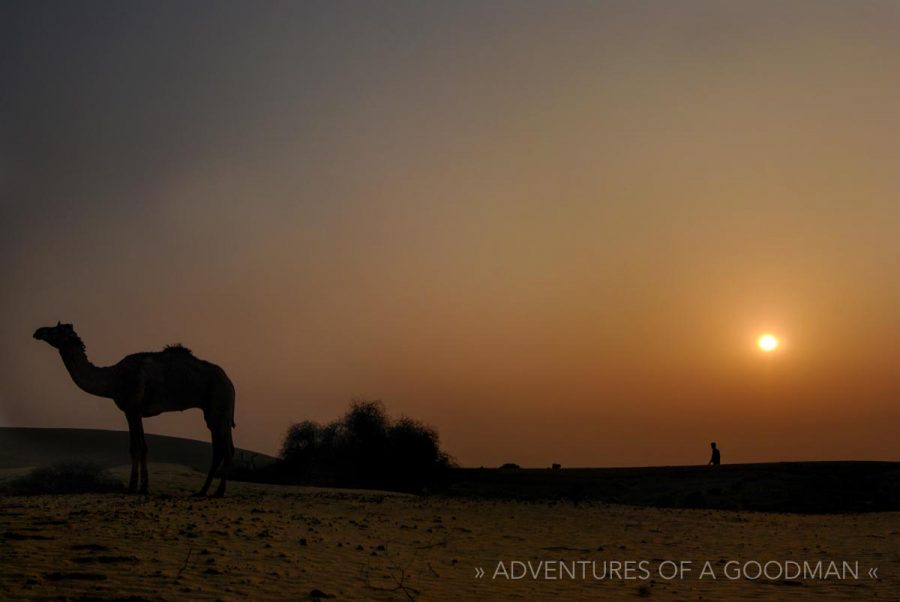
[553, 230]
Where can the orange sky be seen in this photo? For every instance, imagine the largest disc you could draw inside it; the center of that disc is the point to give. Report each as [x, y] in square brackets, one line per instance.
[551, 230]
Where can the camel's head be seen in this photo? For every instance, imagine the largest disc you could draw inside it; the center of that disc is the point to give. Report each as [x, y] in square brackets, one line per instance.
[57, 335]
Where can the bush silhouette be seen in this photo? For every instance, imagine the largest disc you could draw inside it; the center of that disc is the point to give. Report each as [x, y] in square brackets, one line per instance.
[301, 444]
[364, 448]
[65, 478]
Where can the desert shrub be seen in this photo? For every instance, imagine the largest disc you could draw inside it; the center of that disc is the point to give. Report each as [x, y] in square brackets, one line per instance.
[63, 478]
[364, 448]
[301, 444]
[413, 449]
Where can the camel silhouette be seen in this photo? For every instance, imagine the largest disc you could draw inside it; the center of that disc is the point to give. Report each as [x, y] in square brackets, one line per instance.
[148, 384]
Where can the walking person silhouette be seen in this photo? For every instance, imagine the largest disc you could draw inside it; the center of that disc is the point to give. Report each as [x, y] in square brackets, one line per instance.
[716, 458]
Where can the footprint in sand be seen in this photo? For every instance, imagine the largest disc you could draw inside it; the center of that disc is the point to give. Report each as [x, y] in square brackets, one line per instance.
[64, 575]
[89, 547]
[106, 560]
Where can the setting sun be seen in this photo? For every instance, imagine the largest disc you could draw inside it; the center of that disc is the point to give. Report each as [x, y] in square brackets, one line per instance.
[767, 343]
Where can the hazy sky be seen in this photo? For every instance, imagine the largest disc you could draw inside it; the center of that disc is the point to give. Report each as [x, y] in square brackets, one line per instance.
[553, 230]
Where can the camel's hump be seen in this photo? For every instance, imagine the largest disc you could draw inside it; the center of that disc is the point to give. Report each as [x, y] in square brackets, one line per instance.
[177, 348]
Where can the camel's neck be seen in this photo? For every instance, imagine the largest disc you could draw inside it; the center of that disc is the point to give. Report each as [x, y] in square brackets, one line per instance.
[88, 377]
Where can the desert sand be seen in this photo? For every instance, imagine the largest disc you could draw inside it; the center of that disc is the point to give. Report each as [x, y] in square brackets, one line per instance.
[296, 543]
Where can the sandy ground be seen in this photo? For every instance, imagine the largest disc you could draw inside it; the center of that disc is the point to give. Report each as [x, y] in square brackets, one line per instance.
[289, 543]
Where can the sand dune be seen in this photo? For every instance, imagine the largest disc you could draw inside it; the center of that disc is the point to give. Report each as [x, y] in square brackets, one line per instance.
[24, 447]
[290, 543]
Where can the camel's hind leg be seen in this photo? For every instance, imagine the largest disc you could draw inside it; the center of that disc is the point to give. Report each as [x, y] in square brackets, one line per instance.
[219, 415]
[134, 449]
[216, 460]
[227, 456]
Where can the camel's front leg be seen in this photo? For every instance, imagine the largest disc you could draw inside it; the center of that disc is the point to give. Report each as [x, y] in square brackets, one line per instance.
[142, 448]
[134, 450]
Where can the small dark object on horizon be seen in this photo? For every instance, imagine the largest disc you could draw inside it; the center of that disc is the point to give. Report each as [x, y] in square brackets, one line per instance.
[510, 466]
[716, 457]
[556, 466]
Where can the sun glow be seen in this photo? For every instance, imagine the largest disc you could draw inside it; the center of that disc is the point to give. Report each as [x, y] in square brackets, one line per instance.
[767, 343]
